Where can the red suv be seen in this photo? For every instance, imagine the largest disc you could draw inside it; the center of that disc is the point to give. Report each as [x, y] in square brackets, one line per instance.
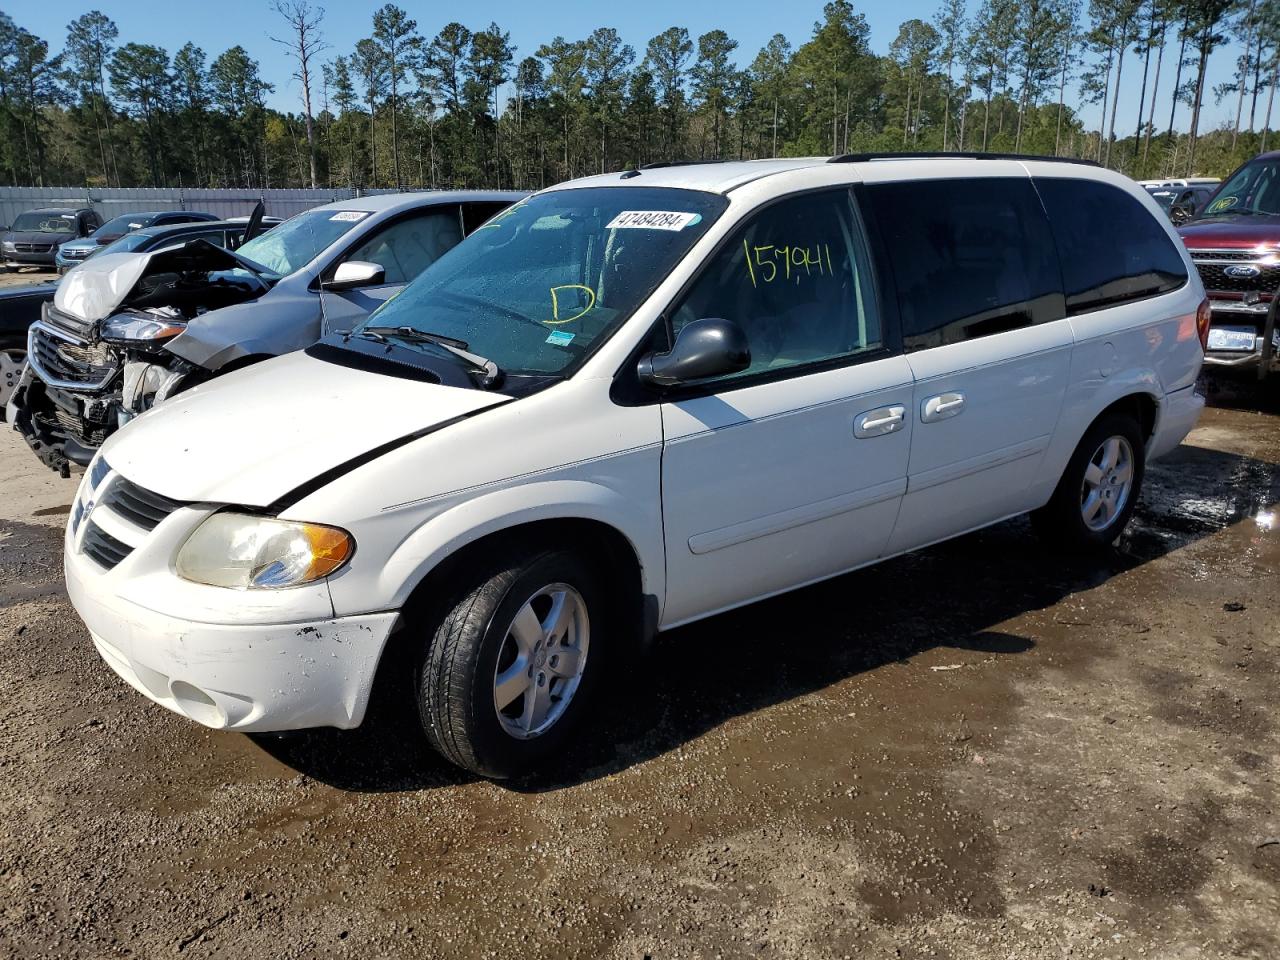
[1234, 240]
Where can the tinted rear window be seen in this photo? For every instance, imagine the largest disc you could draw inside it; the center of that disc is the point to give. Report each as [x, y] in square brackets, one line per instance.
[970, 258]
[1113, 250]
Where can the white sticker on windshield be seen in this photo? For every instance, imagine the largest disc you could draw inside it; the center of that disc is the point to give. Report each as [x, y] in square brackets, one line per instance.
[349, 215]
[653, 220]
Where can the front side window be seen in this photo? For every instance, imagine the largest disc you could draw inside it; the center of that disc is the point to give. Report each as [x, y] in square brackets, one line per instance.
[300, 239]
[543, 282]
[409, 246]
[797, 279]
[1112, 249]
[971, 258]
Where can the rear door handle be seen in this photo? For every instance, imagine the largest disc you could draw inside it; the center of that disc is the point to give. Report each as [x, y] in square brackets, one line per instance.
[941, 407]
[877, 423]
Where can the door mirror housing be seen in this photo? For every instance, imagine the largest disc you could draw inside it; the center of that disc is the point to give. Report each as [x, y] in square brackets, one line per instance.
[356, 273]
[711, 347]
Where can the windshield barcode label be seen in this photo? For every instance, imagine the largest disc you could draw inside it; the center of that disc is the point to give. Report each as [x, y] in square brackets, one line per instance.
[652, 220]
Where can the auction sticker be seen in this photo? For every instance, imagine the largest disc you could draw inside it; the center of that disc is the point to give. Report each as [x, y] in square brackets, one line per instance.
[349, 216]
[653, 220]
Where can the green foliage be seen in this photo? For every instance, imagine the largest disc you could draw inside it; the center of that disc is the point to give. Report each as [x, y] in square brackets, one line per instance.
[463, 109]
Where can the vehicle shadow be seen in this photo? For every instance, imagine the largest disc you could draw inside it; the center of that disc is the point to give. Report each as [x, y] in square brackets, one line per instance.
[954, 595]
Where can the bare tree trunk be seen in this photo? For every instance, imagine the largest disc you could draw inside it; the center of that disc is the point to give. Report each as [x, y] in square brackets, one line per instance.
[775, 126]
[1142, 97]
[1062, 93]
[1244, 74]
[1177, 78]
[1155, 89]
[1106, 96]
[1115, 101]
[1195, 112]
[1271, 96]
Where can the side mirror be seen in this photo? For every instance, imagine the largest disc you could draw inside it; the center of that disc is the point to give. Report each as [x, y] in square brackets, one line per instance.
[356, 273]
[705, 348]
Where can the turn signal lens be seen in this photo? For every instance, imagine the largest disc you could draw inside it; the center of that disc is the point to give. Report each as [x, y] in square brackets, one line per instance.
[246, 552]
[1203, 316]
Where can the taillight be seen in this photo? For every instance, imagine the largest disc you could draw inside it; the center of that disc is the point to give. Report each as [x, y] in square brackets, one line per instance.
[1203, 315]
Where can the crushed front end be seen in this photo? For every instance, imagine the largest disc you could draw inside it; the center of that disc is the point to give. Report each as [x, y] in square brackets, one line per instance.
[80, 384]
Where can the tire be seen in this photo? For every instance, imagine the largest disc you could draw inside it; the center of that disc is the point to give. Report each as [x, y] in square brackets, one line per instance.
[486, 636]
[1081, 517]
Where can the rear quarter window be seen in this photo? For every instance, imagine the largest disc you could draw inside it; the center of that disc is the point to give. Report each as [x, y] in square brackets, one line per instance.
[1112, 249]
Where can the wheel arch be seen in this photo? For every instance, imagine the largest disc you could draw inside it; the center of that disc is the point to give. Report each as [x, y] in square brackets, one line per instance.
[584, 515]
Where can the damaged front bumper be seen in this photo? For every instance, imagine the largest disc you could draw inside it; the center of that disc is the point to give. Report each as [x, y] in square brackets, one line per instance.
[76, 392]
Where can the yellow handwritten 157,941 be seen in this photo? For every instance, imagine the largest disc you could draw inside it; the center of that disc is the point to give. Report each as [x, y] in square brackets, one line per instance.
[769, 262]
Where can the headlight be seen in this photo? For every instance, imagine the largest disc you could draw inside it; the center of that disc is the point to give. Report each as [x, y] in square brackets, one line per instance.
[247, 552]
[132, 327]
[10, 246]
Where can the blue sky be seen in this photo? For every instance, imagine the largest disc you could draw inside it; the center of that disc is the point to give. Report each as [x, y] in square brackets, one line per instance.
[218, 24]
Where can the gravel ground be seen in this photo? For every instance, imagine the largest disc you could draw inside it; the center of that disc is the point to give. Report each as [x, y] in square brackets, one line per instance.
[981, 750]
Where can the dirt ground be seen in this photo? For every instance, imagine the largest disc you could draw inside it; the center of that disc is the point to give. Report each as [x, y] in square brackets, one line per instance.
[982, 750]
[25, 275]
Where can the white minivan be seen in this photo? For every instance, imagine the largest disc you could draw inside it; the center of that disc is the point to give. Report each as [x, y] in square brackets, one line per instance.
[626, 403]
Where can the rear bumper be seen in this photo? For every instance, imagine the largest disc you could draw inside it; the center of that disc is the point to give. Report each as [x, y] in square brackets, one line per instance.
[1177, 417]
[244, 677]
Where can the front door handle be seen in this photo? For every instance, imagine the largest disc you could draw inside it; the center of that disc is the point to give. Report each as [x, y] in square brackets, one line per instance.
[877, 423]
[941, 407]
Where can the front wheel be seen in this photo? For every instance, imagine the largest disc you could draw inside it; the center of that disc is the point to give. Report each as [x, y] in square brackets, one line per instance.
[511, 667]
[1099, 489]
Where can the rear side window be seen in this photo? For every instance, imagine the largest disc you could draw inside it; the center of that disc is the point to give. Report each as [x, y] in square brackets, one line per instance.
[1113, 250]
[970, 258]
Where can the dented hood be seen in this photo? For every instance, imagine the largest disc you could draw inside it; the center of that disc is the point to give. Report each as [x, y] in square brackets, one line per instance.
[256, 434]
[97, 288]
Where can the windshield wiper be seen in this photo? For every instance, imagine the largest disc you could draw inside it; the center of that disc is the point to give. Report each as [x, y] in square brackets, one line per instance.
[492, 373]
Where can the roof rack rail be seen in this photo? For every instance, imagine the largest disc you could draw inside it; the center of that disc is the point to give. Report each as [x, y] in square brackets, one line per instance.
[863, 157]
[659, 164]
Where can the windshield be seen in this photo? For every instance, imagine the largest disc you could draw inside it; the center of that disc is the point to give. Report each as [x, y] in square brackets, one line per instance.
[542, 282]
[122, 224]
[1163, 198]
[127, 243]
[1253, 189]
[35, 222]
[297, 241]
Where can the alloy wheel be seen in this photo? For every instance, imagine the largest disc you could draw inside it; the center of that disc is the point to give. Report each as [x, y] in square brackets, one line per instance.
[1108, 482]
[540, 664]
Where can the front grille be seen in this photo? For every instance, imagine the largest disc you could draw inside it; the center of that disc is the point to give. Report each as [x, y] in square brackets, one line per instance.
[1214, 277]
[102, 548]
[145, 508]
[33, 247]
[75, 253]
[71, 362]
[1201, 254]
[78, 428]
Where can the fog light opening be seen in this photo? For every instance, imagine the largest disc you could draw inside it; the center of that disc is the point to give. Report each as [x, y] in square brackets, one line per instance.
[197, 704]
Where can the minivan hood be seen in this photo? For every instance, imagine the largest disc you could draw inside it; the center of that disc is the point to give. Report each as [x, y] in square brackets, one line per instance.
[1245, 232]
[97, 288]
[254, 435]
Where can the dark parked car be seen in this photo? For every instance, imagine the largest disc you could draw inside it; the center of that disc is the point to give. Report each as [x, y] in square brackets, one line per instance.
[21, 306]
[1181, 203]
[35, 236]
[77, 251]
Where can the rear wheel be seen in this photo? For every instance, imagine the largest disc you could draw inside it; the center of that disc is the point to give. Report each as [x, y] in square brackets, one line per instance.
[1099, 489]
[511, 667]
